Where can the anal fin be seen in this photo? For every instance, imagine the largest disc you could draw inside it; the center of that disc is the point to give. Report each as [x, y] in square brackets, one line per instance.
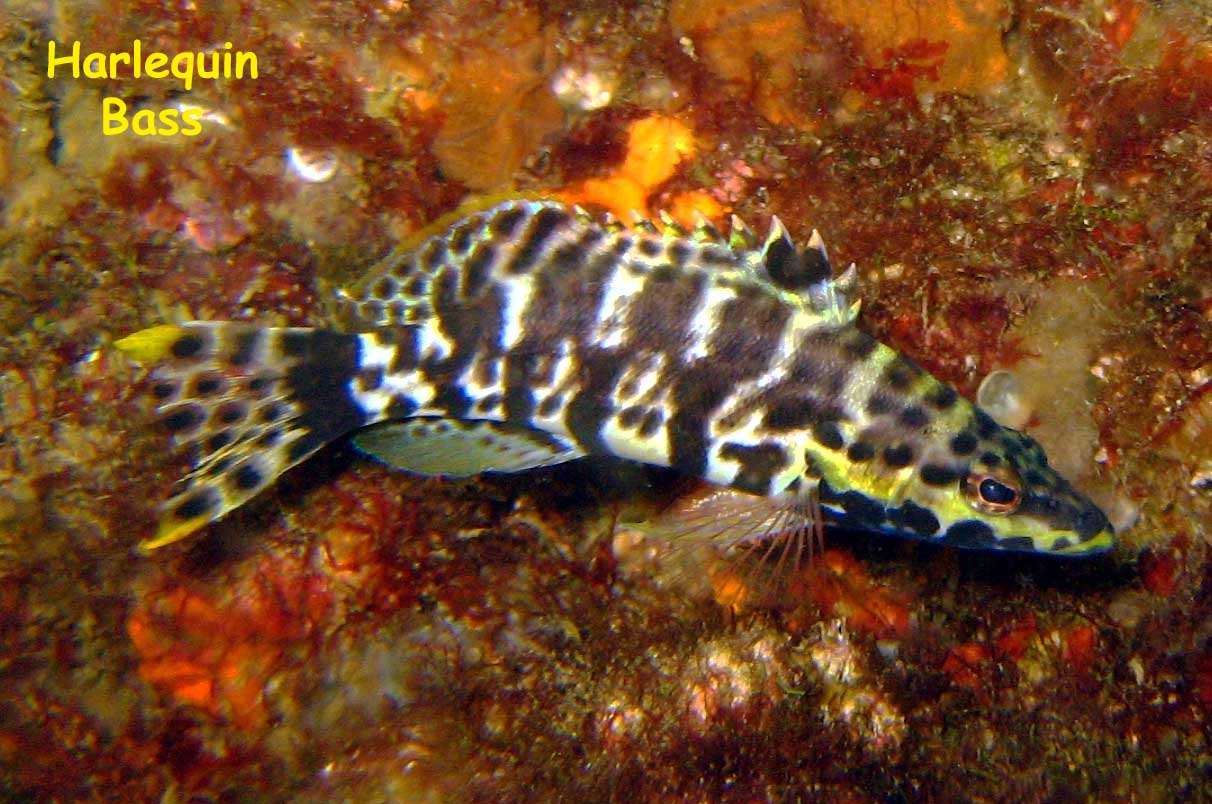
[459, 448]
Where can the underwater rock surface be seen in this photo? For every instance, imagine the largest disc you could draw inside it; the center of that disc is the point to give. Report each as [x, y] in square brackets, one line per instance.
[1024, 188]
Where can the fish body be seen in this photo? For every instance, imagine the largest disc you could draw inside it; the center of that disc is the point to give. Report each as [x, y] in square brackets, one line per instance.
[529, 333]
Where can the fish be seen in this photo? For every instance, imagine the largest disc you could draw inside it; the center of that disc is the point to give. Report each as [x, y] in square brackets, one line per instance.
[526, 333]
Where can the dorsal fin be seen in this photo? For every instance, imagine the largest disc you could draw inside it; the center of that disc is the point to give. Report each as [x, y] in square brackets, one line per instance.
[670, 227]
[808, 273]
[790, 269]
[705, 231]
[639, 223]
[741, 237]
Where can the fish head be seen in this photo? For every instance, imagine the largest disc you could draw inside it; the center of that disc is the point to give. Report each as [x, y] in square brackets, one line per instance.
[969, 482]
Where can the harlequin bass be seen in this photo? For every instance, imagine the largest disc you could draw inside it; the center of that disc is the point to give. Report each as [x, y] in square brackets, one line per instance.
[528, 333]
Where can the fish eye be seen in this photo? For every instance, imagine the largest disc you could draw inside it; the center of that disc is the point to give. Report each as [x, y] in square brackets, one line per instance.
[993, 492]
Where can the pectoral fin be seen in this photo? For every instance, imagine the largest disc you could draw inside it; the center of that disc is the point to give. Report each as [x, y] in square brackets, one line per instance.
[457, 448]
[765, 540]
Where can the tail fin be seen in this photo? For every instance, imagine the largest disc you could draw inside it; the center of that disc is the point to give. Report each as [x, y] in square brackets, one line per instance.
[250, 402]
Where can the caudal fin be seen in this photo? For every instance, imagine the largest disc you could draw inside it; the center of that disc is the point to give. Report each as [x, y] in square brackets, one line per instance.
[249, 402]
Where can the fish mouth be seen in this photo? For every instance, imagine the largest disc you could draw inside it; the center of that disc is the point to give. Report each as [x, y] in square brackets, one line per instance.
[1092, 534]
[1092, 522]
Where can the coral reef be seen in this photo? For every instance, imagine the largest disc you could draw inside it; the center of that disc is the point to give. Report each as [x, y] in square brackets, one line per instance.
[1025, 188]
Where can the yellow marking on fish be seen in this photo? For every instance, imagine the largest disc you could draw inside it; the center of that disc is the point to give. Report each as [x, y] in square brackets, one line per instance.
[150, 345]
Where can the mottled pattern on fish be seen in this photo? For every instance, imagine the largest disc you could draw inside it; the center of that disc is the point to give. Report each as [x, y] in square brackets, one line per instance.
[537, 328]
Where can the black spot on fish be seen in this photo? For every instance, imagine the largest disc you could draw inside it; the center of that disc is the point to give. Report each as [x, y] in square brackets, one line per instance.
[650, 247]
[295, 343]
[385, 288]
[680, 253]
[915, 518]
[898, 455]
[487, 372]
[963, 444]
[505, 223]
[970, 533]
[407, 354]
[519, 399]
[434, 256]
[828, 435]
[270, 413]
[664, 273]
[942, 398]
[858, 345]
[259, 383]
[303, 446]
[371, 311]
[937, 475]
[550, 405]
[184, 419]
[403, 267]
[230, 413]
[860, 451]
[991, 459]
[914, 417]
[567, 258]
[985, 426]
[453, 399]
[207, 385]
[247, 477]
[476, 271]
[630, 417]
[460, 239]
[1034, 478]
[417, 285]
[489, 402]
[712, 254]
[862, 510]
[246, 345]
[269, 438]
[900, 374]
[219, 440]
[653, 420]
[197, 505]
[787, 415]
[758, 464]
[164, 390]
[544, 223]
[187, 345]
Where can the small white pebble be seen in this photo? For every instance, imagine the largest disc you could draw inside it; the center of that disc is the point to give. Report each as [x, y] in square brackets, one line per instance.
[311, 166]
[209, 115]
